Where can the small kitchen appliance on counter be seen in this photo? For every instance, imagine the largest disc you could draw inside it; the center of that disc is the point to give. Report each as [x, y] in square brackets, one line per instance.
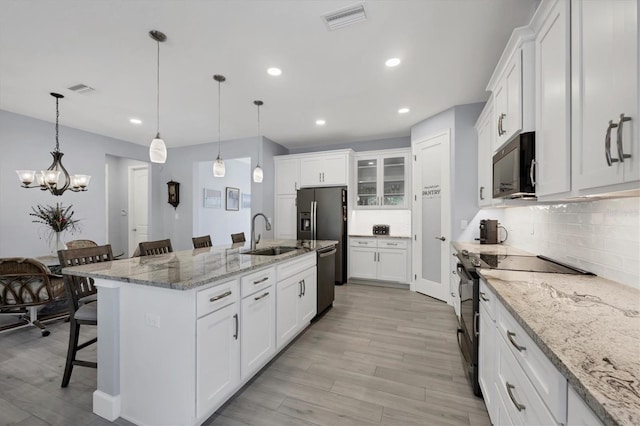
[489, 231]
[380, 229]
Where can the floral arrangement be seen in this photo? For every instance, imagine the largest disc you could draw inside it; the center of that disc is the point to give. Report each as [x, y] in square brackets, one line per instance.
[57, 218]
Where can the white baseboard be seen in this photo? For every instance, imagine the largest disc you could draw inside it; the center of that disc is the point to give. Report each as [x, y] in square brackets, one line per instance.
[106, 406]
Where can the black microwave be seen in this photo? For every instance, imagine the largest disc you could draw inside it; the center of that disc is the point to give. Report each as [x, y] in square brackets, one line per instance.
[513, 168]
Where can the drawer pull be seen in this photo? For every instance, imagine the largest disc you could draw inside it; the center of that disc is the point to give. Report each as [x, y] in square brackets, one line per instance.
[261, 280]
[362, 242]
[220, 296]
[392, 244]
[261, 297]
[483, 297]
[510, 387]
[511, 335]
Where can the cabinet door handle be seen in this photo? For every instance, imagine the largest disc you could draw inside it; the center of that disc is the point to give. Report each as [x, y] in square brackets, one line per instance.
[501, 130]
[511, 335]
[510, 387]
[374, 256]
[235, 334]
[440, 238]
[607, 144]
[621, 154]
[483, 297]
[481, 192]
[262, 296]
[260, 280]
[220, 296]
[300, 283]
[532, 175]
[304, 287]
[319, 177]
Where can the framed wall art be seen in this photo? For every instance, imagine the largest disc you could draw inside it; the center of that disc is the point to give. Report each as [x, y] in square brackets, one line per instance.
[212, 198]
[246, 200]
[232, 199]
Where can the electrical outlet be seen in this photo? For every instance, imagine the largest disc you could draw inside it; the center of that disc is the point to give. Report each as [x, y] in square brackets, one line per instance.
[152, 320]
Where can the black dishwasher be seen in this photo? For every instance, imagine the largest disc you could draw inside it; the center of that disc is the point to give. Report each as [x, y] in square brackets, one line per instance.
[326, 267]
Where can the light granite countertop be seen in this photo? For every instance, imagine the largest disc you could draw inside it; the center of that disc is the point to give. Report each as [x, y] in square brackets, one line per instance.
[188, 269]
[380, 236]
[588, 326]
[498, 249]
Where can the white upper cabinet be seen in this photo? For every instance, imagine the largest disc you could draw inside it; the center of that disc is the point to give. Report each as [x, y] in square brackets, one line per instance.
[325, 169]
[287, 172]
[512, 88]
[604, 52]
[382, 179]
[484, 128]
[552, 95]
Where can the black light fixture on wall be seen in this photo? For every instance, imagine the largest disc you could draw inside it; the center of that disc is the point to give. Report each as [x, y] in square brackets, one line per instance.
[158, 149]
[55, 179]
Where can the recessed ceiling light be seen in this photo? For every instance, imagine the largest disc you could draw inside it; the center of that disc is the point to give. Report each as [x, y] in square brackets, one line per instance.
[274, 71]
[403, 110]
[321, 122]
[392, 62]
[135, 121]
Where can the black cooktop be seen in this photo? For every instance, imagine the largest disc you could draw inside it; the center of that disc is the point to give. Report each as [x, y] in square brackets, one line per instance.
[519, 263]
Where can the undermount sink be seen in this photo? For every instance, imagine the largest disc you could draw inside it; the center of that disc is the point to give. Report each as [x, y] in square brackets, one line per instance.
[270, 251]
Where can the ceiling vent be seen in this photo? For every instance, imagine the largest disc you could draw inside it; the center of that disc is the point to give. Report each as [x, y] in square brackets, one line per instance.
[81, 88]
[343, 17]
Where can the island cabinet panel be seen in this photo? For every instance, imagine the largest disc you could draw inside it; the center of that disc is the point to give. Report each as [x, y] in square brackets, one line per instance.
[218, 358]
[289, 291]
[308, 303]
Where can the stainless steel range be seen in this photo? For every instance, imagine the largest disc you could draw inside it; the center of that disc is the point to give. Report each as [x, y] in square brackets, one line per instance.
[469, 289]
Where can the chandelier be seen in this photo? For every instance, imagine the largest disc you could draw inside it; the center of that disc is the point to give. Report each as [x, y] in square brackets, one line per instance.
[55, 179]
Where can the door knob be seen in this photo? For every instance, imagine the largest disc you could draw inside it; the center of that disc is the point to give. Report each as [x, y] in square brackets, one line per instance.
[440, 238]
[134, 229]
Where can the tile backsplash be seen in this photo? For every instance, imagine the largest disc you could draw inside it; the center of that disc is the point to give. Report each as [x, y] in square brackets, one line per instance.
[600, 236]
[361, 222]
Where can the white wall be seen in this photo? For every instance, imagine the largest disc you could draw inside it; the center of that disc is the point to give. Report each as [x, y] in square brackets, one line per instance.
[26, 143]
[220, 223]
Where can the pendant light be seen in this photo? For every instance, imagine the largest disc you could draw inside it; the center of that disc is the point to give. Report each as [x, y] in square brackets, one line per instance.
[258, 175]
[158, 149]
[50, 179]
[218, 165]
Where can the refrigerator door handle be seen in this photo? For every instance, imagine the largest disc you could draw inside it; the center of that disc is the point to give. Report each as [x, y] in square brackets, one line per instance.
[314, 212]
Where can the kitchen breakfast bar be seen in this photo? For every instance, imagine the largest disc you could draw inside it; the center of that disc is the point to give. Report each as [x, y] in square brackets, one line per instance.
[180, 333]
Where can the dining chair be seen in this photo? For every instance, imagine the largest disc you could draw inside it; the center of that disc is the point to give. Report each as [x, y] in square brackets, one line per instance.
[238, 238]
[200, 242]
[27, 286]
[78, 289]
[150, 248]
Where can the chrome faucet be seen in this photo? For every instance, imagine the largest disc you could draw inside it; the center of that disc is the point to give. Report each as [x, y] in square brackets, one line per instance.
[254, 242]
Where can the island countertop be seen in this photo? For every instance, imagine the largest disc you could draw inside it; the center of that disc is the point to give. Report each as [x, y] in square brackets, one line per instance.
[188, 269]
[588, 326]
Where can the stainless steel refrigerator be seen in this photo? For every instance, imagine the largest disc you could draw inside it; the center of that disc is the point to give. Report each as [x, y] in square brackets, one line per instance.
[322, 215]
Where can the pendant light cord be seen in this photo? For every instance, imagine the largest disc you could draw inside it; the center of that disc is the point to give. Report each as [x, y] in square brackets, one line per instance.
[259, 139]
[219, 113]
[158, 92]
[57, 131]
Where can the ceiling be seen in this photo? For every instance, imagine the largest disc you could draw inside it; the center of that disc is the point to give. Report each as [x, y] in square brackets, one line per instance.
[448, 51]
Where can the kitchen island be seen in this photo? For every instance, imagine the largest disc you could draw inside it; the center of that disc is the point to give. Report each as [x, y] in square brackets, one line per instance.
[587, 327]
[178, 334]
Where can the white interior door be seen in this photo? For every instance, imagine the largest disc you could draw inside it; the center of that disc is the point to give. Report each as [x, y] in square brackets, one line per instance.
[138, 207]
[432, 216]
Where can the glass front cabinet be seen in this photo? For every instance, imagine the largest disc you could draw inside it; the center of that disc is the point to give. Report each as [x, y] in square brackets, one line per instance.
[382, 179]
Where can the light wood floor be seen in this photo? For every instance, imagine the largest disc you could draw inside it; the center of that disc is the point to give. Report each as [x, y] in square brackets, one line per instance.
[381, 356]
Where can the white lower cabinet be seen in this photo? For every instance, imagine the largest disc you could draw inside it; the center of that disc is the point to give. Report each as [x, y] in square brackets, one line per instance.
[258, 317]
[519, 383]
[296, 298]
[218, 353]
[385, 259]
